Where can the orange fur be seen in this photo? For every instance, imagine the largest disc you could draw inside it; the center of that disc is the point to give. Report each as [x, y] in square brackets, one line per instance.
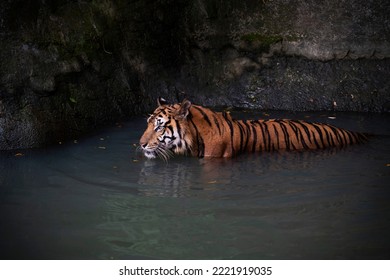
[184, 128]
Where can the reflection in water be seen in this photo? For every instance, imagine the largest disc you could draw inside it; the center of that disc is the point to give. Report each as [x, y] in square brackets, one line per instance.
[256, 207]
[79, 201]
[183, 175]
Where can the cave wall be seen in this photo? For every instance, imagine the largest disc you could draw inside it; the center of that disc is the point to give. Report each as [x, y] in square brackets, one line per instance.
[69, 67]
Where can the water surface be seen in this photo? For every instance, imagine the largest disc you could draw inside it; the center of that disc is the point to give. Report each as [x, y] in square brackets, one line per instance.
[97, 198]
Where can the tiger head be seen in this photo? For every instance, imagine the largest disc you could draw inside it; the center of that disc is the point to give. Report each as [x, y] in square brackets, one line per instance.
[166, 130]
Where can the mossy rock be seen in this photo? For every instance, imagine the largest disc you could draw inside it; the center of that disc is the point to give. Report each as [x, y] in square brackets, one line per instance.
[260, 42]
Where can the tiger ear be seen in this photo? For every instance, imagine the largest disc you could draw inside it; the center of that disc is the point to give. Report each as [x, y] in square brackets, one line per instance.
[161, 101]
[184, 110]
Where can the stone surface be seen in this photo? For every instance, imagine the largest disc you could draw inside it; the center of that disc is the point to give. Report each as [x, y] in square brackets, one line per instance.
[69, 67]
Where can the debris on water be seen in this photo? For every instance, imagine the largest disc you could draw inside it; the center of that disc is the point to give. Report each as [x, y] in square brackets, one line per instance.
[19, 154]
[102, 147]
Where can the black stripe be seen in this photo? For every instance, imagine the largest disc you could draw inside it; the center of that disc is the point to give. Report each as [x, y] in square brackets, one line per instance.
[262, 126]
[344, 136]
[295, 129]
[199, 139]
[254, 138]
[248, 134]
[350, 136]
[305, 146]
[217, 124]
[328, 136]
[306, 129]
[172, 132]
[320, 134]
[298, 133]
[241, 130]
[361, 137]
[227, 119]
[266, 132]
[315, 141]
[336, 131]
[206, 118]
[178, 128]
[286, 135]
[303, 140]
[356, 138]
[277, 135]
[261, 148]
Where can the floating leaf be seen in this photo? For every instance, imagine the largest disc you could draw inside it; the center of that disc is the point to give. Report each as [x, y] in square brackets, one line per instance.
[19, 154]
[73, 100]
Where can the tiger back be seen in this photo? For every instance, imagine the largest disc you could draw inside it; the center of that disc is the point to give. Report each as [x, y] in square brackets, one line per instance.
[184, 128]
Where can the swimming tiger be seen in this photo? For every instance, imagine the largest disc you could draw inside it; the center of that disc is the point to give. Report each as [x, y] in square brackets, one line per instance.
[184, 128]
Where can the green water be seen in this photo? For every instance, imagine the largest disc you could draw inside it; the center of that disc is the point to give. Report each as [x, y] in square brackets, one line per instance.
[97, 198]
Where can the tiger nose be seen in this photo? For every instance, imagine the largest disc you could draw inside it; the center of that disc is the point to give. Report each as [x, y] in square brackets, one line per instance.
[143, 144]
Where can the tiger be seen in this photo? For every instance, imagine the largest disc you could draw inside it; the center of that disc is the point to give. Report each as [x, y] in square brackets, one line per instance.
[188, 129]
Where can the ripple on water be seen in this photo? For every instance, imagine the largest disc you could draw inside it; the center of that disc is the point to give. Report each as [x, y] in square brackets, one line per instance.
[79, 200]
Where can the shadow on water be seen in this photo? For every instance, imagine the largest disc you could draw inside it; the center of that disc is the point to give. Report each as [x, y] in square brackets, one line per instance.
[98, 198]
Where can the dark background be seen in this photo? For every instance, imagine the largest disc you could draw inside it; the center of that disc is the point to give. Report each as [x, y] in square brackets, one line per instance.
[69, 67]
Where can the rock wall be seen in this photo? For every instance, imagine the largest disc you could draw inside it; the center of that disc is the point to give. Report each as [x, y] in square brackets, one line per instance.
[68, 67]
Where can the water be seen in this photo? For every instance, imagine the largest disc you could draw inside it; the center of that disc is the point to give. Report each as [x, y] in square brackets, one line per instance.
[98, 198]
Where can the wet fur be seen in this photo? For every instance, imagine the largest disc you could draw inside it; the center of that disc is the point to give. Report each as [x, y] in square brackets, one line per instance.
[183, 128]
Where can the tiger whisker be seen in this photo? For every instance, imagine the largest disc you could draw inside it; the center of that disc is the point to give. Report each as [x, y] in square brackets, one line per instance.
[187, 129]
[163, 153]
[162, 156]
